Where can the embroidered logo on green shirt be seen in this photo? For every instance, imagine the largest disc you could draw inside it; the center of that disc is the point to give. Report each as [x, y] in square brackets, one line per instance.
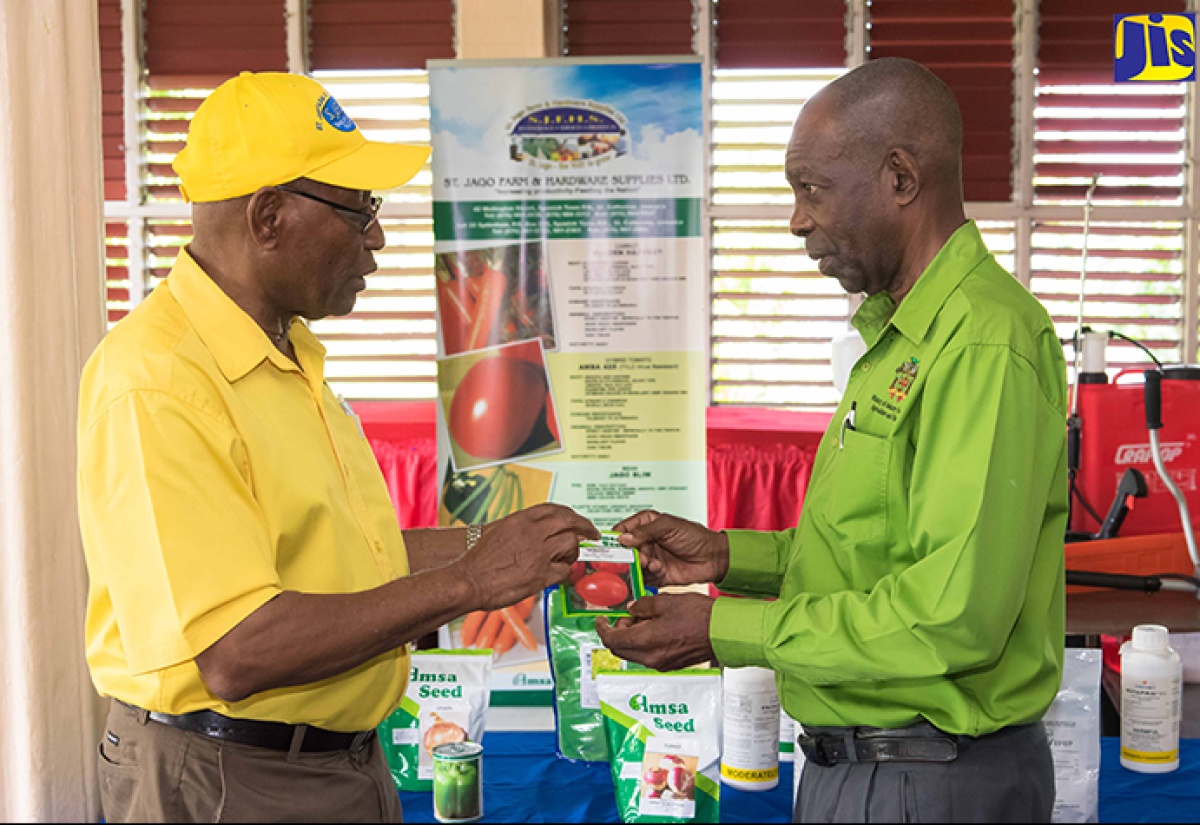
[906, 373]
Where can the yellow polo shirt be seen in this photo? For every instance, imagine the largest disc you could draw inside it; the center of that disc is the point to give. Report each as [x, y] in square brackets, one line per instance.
[214, 474]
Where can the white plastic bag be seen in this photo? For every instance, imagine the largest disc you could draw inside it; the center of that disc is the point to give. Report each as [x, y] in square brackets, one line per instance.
[1187, 645]
[1073, 728]
[787, 737]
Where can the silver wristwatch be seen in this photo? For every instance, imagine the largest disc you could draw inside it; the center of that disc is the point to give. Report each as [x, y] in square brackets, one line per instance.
[474, 531]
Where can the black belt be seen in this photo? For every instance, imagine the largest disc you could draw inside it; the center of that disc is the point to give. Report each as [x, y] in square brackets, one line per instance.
[276, 736]
[921, 742]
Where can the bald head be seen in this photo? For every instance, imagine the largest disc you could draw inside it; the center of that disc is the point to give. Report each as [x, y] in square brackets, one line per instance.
[894, 102]
[875, 163]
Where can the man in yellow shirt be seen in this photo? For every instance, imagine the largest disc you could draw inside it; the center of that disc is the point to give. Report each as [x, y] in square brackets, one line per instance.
[251, 594]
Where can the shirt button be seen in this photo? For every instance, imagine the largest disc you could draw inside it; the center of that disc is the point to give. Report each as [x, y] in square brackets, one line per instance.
[865, 367]
[379, 547]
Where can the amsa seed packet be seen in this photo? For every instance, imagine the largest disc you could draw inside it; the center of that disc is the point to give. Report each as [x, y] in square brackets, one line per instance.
[446, 701]
[664, 741]
[605, 579]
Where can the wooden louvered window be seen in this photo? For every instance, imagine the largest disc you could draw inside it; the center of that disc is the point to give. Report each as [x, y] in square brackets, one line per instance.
[1134, 283]
[385, 348]
[970, 47]
[1133, 136]
[112, 114]
[189, 41]
[112, 106]
[773, 314]
[767, 34]
[370, 34]
[611, 28]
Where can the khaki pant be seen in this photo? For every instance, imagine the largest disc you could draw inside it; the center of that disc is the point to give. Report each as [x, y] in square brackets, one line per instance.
[150, 772]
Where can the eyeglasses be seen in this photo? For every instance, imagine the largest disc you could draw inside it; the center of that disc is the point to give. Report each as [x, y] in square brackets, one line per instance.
[365, 218]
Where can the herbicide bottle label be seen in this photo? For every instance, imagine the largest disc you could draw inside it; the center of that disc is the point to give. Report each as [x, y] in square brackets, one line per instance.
[752, 732]
[1151, 682]
[1150, 720]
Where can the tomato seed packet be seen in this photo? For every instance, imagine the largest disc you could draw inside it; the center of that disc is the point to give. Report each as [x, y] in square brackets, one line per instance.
[607, 577]
[664, 741]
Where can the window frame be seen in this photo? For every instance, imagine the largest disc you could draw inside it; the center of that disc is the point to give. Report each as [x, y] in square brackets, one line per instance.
[1021, 211]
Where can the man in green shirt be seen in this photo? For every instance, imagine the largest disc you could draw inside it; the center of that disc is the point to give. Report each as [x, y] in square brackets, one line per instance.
[914, 618]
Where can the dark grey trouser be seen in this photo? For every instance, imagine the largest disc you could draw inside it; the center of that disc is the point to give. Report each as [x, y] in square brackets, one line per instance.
[157, 773]
[1007, 776]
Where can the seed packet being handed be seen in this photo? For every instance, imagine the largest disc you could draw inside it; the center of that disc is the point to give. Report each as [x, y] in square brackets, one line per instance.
[607, 577]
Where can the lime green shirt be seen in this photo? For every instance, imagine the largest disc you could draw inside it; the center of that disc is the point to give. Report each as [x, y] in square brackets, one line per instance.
[925, 579]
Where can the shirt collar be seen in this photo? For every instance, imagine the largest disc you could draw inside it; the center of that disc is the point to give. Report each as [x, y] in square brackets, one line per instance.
[235, 339]
[964, 251]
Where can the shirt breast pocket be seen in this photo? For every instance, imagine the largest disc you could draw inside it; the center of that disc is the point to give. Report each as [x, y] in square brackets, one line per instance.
[855, 509]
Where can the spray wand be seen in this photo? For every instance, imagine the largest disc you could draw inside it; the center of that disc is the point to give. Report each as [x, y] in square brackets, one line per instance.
[1153, 398]
[1074, 425]
[1153, 404]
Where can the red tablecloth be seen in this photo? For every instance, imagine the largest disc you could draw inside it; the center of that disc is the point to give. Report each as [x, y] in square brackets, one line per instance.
[759, 462]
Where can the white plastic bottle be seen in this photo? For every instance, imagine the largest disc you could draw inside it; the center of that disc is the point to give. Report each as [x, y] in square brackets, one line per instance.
[1151, 688]
[750, 750]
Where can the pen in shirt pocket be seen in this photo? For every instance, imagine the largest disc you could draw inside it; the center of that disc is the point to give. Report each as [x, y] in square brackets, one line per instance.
[847, 424]
[348, 410]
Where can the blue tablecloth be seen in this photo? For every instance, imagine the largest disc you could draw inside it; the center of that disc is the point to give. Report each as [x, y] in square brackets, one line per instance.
[525, 781]
[1126, 796]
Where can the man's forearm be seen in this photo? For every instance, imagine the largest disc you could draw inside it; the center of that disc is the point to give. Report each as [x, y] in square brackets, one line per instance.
[299, 638]
[432, 547]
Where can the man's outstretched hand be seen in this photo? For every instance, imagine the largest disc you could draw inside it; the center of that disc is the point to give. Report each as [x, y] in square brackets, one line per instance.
[666, 632]
[675, 550]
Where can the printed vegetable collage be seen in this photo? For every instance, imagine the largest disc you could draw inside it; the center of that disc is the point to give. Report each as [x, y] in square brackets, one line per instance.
[500, 629]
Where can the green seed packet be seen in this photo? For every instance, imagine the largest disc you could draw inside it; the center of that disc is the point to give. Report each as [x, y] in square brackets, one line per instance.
[446, 701]
[576, 657]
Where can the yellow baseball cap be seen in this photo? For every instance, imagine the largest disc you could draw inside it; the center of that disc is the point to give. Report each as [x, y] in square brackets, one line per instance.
[269, 128]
